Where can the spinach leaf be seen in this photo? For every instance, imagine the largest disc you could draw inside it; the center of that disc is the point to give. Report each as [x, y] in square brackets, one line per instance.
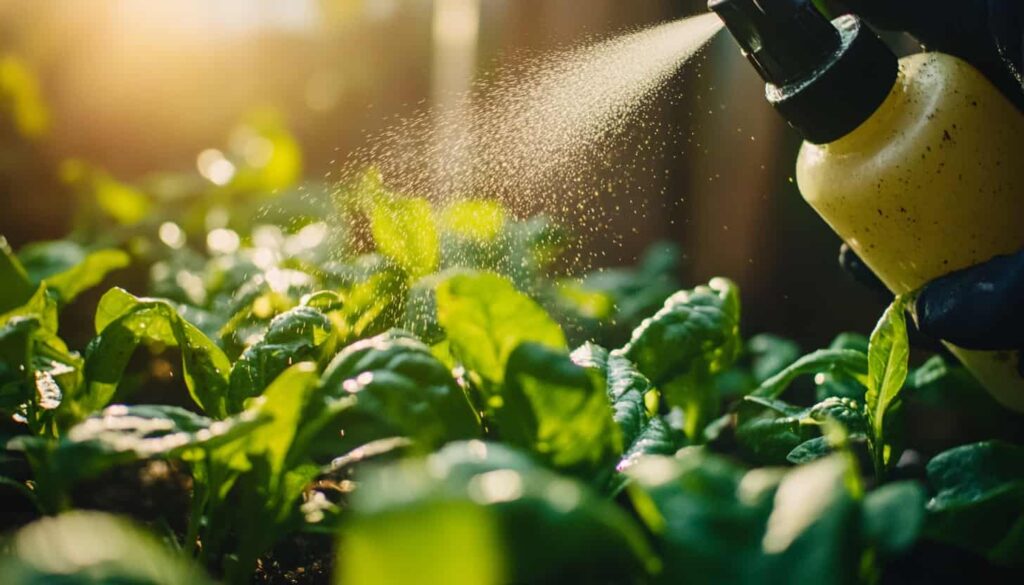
[769, 438]
[893, 516]
[116, 436]
[716, 522]
[783, 432]
[37, 370]
[810, 450]
[558, 410]
[979, 500]
[68, 268]
[17, 288]
[91, 548]
[404, 230]
[373, 304]
[695, 330]
[479, 513]
[247, 490]
[486, 318]
[301, 334]
[123, 321]
[643, 433]
[839, 381]
[844, 411]
[692, 338]
[707, 514]
[888, 356]
[812, 532]
[474, 219]
[399, 389]
[824, 361]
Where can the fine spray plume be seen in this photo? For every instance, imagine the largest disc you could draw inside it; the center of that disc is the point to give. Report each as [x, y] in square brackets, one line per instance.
[825, 78]
[547, 133]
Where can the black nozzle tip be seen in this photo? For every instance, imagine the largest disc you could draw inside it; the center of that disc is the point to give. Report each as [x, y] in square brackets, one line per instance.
[825, 77]
[783, 39]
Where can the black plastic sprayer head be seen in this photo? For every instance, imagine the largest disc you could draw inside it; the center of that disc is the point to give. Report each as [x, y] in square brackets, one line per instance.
[825, 78]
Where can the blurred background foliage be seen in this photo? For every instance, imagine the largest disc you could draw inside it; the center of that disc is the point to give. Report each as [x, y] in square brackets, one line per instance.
[196, 120]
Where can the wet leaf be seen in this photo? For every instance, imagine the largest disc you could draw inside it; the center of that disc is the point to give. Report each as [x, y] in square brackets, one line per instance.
[628, 389]
[123, 321]
[68, 268]
[120, 435]
[693, 337]
[404, 230]
[486, 318]
[482, 513]
[399, 389]
[294, 336]
[979, 500]
[558, 410]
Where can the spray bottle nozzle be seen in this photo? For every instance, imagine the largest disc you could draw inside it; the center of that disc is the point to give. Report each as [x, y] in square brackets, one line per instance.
[825, 78]
[784, 39]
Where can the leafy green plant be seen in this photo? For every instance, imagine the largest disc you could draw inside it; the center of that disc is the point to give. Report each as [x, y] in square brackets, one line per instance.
[84, 548]
[437, 404]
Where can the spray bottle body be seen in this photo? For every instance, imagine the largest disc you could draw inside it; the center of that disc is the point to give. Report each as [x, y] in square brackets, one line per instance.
[930, 183]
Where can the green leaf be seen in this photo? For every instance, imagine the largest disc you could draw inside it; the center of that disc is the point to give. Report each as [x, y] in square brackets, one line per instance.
[707, 513]
[120, 435]
[68, 268]
[291, 396]
[404, 230]
[823, 361]
[844, 411]
[808, 451]
[888, 356]
[769, 438]
[839, 382]
[477, 219]
[893, 516]
[558, 410]
[692, 338]
[486, 318]
[36, 368]
[627, 389]
[294, 336]
[91, 548]
[811, 532]
[16, 289]
[400, 389]
[123, 321]
[421, 306]
[979, 500]
[783, 432]
[268, 470]
[695, 331]
[373, 305]
[477, 514]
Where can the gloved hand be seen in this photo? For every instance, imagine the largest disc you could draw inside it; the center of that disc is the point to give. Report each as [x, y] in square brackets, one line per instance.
[980, 307]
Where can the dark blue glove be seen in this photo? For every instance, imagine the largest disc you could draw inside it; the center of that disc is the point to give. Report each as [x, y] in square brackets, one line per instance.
[980, 307]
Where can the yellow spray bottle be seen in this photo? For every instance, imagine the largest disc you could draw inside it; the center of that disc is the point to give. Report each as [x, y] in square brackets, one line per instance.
[916, 163]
